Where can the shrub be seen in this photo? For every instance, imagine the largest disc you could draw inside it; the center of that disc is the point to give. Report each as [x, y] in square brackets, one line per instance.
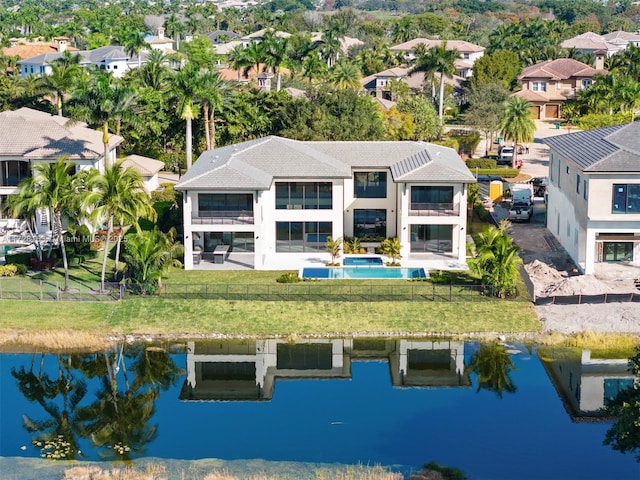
[450, 142]
[8, 270]
[22, 258]
[289, 277]
[21, 269]
[480, 163]
[166, 194]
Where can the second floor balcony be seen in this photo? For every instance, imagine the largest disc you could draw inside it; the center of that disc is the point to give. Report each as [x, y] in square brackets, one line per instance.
[419, 209]
[223, 217]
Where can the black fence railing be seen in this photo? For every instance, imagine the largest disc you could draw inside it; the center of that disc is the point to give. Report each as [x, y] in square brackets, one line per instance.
[320, 291]
[588, 299]
[15, 288]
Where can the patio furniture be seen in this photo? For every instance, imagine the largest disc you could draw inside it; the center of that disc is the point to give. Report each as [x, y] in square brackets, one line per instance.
[220, 253]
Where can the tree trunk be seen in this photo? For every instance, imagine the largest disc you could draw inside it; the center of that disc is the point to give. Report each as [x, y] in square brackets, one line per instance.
[63, 250]
[188, 144]
[278, 83]
[59, 102]
[119, 242]
[441, 99]
[105, 141]
[106, 252]
[207, 137]
[212, 126]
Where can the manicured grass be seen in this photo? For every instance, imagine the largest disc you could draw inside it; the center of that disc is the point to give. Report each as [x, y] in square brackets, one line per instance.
[157, 315]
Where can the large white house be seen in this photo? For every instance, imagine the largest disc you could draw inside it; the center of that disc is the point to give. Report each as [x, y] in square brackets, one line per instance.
[30, 137]
[274, 198]
[594, 195]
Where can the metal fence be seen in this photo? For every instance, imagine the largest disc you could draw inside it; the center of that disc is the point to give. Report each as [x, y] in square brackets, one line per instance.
[319, 291]
[15, 288]
[588, 299]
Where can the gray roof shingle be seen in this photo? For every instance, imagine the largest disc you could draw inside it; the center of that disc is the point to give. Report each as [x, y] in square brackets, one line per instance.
[33, 134]
[608, 149]
[254, 164]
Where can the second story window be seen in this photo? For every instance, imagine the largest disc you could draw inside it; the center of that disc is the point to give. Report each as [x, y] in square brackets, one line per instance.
[303, 195]
[586, 82]
[539, 86]
[626, 198]
[370, 185]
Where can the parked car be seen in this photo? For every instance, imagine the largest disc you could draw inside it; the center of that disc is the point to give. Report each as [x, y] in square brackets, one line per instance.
[520, 212]
[539, 185]
[488, 178]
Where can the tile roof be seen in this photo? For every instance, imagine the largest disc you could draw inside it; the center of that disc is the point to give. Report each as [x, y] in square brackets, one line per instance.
[608, 149]
[111, 52]
[254, 164]
[33, 134]
[621, 37]
[589, 41]
[33, 49]
[459, 45]
[145, 166]
[559, 69]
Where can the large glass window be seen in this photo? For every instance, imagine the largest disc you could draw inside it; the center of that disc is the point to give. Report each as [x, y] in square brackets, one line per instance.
[370, 223]
[303, 195]
[618, 251]
[13, 172]
[431, 198]
[302, 236]
[370, 185]
[626, 198]
[431, 238]
[224, 202]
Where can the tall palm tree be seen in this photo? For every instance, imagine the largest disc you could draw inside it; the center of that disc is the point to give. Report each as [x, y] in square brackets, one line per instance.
[313, 67]
[175, 28]
[186, 93]
[439, 60]
[275, 54]
[63, 77]
[239, 61]
[517, 123]
[345, 75]
[52, 187]
[134, 43]
[104, 100]
[117, 194]
[212, 91]
[155, 70]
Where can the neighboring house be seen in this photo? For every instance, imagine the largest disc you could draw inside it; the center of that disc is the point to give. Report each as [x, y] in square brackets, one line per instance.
[469, 52]
[160, 42]
[148, 169]
[590, 42]
[30, 137]
[258, 37]
[112, 58]
[549, 84]
[378, 84]
[20, 47]
[623, 39]
[275, 198]
[221, 37]
[594, 195]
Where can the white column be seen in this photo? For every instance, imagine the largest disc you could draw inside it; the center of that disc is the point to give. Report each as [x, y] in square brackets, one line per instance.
[590, 252]
[188, 234]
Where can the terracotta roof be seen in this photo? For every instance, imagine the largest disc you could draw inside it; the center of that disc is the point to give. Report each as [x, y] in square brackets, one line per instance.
[534, 97]
[33, 49]
[559, 69]
[459, 45]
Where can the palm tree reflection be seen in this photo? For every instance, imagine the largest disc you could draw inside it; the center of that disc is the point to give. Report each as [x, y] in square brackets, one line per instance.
[492, 365]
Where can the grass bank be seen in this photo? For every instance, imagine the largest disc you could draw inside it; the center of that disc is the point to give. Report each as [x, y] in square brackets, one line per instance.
[155, 315]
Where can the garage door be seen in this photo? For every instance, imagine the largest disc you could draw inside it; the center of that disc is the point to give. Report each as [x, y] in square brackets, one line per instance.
[552, 111]
[535, 112]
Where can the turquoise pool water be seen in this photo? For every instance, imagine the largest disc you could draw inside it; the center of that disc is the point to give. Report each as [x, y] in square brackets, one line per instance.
[364, 261]
[380, 273]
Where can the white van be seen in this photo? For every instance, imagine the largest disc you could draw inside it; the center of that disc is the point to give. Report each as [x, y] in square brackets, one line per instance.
[505, 156]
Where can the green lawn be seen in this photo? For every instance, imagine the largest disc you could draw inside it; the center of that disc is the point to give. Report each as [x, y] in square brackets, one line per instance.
[175, 316]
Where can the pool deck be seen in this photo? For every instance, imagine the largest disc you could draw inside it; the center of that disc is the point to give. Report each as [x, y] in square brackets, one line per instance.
[297, 261]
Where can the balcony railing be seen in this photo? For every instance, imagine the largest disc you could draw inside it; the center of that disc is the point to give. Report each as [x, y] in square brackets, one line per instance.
[223, 217]
[434, 209]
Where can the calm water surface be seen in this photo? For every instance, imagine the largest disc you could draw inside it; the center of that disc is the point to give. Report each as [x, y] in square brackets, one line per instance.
[392, 402]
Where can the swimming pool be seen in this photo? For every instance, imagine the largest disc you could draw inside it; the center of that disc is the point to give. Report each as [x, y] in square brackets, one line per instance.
[379, 273]
[363, 261]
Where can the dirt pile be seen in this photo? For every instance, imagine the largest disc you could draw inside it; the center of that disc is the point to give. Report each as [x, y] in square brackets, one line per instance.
[549, 281]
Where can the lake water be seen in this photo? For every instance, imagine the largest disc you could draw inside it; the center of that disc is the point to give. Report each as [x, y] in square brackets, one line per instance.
[396, 402]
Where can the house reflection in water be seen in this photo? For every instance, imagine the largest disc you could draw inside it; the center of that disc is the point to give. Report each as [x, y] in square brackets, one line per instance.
[586, 384]
[228, 370]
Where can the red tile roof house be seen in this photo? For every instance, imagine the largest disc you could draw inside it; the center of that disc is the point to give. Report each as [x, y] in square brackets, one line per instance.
[549, 84]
